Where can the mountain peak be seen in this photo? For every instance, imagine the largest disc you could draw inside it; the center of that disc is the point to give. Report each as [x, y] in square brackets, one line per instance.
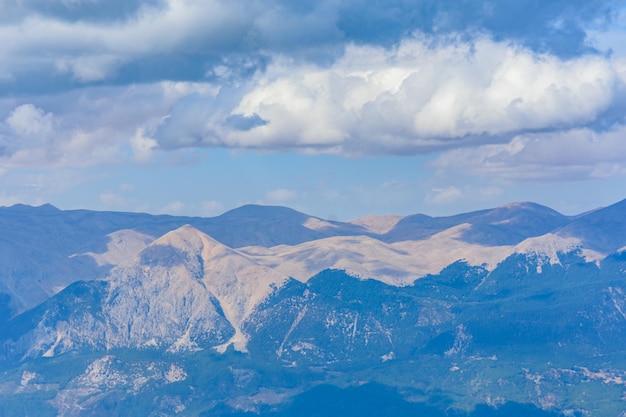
[526, 206]
[378, 224]
[237, 282]
[43, 208]
[191, 240]
[258, 211]
[603, 230]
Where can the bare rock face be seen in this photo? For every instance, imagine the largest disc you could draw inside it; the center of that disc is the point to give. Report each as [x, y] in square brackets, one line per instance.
[236, 282]
[161, 301]
[183, 292]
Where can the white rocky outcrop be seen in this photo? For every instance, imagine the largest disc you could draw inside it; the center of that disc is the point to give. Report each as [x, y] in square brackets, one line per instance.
[185, 280]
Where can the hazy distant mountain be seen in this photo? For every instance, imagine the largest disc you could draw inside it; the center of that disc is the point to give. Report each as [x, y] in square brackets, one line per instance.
[603, 229]
[39, 245]
[377, 224]
[506, 225]
[254, 225]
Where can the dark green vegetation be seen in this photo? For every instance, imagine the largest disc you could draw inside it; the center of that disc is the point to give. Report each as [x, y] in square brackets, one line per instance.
[530, 339]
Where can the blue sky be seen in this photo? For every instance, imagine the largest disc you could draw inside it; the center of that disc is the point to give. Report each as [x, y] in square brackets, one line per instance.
[335, 108]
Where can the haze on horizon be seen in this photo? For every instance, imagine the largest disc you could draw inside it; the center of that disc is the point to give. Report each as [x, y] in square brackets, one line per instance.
[335, 108]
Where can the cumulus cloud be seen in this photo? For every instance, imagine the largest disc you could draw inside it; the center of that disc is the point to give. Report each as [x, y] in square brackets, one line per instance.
[26, 126]
[32, 137]
[143, 147]
[568, 155]
[135, 78]
[421, 96]
[89, 127]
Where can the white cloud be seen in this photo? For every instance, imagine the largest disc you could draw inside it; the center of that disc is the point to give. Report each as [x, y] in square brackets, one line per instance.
[143, 147]
[573, 154]
[126, 188]
[112, 200]
[281, 195]
[445, 195]
[90, 127]
[175, 207]
[92, 51]
[27, 120]
[416, 98]
[212, 208]
[26, 127]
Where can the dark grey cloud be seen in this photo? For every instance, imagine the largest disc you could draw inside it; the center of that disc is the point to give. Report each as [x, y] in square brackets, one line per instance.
[554, 26]
[245, 123]
[58, 45]
[74, 10]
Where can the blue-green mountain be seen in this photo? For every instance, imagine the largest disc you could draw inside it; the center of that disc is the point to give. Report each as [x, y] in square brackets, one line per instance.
[516, 310]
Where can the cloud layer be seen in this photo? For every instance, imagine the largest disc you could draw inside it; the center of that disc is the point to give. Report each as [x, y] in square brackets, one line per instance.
[419, 97]
[518, 90]
[78, 42]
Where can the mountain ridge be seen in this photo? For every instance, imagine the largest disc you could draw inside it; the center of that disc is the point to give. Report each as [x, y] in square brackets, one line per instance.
[460, 318]
[36, 269]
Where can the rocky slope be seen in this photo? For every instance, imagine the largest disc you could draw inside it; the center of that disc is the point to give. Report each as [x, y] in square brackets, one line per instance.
[476, 313]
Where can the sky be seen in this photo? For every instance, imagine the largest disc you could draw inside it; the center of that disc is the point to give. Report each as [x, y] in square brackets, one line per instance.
[337, 108]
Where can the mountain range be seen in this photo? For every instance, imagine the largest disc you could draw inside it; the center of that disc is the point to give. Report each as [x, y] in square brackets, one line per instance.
[263, 310]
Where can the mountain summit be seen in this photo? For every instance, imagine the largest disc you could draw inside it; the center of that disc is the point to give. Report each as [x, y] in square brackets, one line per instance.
[184, 291]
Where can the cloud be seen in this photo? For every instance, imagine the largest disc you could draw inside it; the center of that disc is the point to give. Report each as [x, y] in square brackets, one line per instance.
[97, 11]
[28, 121]
[25, 126]
[243, 122]
[92, 82]
[89, 127]
[212, 208]
[112, 200]
[569, 155]
[175, 207]
[32, 137]
[124, 42]
[281, 195]
[445, 195]
[424, 95]
[143, 147]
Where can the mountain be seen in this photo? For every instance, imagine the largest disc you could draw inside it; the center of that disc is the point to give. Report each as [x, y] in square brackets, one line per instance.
[603, 230]
[475, 340]
[67, 243]
[377, 224]
[506, 225]
[254, 225]
[185, 291]
[516, 310]
[398, 263]
[42, 249]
